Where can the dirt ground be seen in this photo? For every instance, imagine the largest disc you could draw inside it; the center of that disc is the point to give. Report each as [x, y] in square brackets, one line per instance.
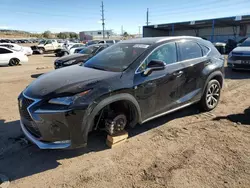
[183, 149]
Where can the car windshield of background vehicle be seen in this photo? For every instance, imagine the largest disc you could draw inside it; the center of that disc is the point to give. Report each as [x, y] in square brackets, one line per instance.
[117, 57]
[88, 50]
[246, 43]
[42, 42]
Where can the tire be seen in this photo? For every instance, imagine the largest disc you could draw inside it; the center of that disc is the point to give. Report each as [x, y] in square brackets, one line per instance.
[14, 62]
[41, 50]
[211, 96]
[65, 53]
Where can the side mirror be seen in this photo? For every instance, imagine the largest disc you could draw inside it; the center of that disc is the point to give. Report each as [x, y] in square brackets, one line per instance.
[154, 65]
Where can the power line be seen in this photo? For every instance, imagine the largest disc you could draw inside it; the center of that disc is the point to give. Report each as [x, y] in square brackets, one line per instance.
[184, 5]
[202, 10]
[210, 6]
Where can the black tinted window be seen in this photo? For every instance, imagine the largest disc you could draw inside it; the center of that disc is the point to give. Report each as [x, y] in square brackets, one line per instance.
[189, 50]
[4, 51]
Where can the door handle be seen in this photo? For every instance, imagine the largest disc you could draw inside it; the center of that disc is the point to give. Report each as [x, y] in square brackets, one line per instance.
[178, 74]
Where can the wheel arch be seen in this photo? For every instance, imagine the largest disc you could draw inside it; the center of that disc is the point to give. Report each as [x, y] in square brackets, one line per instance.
[217, 75]
[109, 100]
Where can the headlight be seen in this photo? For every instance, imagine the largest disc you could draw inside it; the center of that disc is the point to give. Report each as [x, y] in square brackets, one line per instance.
[229, 55]
[69, 62]
[67, 100]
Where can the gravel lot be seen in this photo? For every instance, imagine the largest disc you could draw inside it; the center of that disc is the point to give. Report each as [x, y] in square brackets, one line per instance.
[183, 149]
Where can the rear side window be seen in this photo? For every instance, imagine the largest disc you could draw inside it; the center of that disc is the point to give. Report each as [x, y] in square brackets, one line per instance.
[4, 51]
[205, 50]
[110, 41]
[189, 50]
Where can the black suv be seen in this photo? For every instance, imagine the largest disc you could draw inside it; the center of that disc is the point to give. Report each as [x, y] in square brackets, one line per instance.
[131, 82]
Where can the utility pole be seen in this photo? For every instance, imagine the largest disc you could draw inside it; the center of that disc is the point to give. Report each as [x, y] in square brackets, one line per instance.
[139, 31]
[103, 21]
[147, 22]
[122, 30]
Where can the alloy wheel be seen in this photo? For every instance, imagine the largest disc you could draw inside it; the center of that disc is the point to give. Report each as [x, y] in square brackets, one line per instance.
[213, 95]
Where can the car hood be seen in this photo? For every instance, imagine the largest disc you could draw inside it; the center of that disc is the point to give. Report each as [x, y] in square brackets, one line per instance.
[67, 81]
[72, 57]
[242, 49]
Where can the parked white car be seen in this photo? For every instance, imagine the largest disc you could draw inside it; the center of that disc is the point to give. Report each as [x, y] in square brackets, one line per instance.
[74, 47]
[11, 57]
[26, 50]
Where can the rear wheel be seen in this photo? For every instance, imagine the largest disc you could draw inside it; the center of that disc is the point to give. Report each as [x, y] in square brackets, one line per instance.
[211, 96]
[14, 62]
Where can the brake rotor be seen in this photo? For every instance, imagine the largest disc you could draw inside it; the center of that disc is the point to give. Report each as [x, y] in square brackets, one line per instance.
[116, 124]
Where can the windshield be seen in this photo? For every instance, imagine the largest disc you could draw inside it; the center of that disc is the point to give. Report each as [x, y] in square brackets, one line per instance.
[246, 43]
[110, 41]
[88, 50]
[92, 42]
[42, 42]
[117, 57]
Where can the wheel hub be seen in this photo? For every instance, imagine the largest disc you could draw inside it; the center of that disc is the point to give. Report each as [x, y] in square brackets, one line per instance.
[116, 124]
[213, 95]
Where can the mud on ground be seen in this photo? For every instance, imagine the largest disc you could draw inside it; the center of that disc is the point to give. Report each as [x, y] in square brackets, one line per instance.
[183, 149]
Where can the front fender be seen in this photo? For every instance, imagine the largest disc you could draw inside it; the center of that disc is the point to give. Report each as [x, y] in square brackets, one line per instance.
[94, 108]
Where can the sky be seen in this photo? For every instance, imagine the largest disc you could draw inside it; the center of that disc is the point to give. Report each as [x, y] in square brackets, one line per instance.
[85, 15]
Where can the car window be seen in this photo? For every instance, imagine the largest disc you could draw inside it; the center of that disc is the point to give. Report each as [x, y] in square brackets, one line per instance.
[101, 42]
[205, 50]
[110, 41]
[246, 43]
[4, 51]
[49, 42]
[166, 53]
[189, 50]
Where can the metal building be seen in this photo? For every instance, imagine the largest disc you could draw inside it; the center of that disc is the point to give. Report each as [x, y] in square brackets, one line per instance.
[215, 30]
[97, 34]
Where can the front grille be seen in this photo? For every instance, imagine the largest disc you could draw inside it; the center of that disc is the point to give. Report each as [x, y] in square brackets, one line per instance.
[236, 57]
[23, 104]
[242, 66]
[33, 129]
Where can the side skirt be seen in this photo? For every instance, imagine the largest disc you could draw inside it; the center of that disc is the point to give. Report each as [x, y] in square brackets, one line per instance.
[170, 111]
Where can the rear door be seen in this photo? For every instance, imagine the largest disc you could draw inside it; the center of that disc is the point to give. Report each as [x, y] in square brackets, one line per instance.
[5, 56]
[193, 61]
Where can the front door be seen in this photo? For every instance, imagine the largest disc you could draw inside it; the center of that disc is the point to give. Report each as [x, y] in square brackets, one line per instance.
[158, 92]
[5, 56]
[48, 46]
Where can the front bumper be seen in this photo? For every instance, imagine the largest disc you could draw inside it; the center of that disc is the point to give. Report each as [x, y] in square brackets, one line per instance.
[237, 64]
[52, 129]
[45, 145]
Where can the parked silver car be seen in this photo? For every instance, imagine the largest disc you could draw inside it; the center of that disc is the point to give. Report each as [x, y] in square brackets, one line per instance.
[239, 58]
